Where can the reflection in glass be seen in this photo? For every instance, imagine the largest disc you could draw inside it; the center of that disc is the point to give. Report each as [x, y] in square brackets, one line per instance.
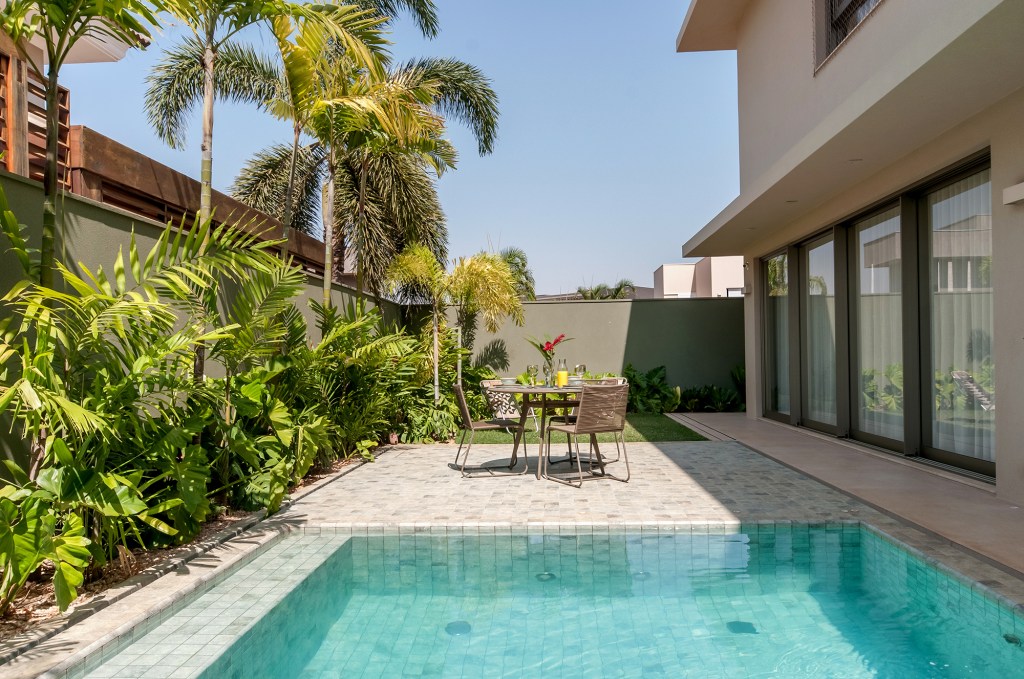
[879, 310]
[963, 384]
[819, 297]
[777, 334]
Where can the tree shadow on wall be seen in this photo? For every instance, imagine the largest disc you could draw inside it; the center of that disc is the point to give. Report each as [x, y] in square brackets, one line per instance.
[494, 355]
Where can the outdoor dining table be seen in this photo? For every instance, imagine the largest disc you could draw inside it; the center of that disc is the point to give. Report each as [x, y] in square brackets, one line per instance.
[536, 397]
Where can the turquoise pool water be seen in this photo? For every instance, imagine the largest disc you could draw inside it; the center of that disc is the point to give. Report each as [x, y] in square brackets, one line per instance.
[780, 601]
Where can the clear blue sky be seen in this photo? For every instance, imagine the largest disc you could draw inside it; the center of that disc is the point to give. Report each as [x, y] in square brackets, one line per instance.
[613, 149]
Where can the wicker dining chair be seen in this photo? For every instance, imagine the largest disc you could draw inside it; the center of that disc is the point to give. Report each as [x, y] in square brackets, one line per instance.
[570, 416]
[602, 410]
[503, 405]
[471, 427]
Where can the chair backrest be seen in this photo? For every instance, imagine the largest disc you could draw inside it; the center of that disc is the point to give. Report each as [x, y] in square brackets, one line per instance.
[602, 408]
[460, 396]
[502, 404]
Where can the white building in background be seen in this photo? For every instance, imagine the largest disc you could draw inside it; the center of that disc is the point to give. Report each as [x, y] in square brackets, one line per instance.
[709, 277]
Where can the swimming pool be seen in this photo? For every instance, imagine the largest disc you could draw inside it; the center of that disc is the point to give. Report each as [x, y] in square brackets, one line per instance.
[790, 600]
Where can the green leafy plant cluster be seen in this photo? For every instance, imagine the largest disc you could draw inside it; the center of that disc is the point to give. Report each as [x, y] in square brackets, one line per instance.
[709, 398]
[126, 448]
[649, 392]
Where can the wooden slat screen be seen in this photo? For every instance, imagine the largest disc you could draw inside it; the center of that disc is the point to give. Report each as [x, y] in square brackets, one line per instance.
[5, 97]
[37, 131]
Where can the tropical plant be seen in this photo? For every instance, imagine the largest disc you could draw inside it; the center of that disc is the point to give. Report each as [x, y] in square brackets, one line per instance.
[709, 398]
[98, 375]
[649, 391]
[623, 289]
[60, 24]
[174, 88]
[520, 268]
[481, 282]
[383, 196]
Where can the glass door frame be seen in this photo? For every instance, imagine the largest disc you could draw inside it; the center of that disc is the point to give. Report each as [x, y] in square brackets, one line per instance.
[923, 233]
[908, 307]
[841, 331]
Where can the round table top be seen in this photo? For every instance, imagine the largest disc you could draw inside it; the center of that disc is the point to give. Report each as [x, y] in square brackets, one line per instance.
[527, 389]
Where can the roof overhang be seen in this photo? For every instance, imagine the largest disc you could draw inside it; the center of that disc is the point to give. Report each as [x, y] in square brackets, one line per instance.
[886, 119]
[711, 25]
[95, 49]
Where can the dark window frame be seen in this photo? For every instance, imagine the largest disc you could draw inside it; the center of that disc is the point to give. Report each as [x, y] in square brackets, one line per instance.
[915, 243]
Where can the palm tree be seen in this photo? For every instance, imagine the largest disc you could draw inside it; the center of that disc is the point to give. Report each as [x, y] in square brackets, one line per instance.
[482, 283]
[621, 290]
[60, 24]
[520, 268]
[174, 85]
[384, 197]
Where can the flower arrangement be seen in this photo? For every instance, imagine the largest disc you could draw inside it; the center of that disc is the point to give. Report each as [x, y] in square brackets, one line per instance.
[547, 347]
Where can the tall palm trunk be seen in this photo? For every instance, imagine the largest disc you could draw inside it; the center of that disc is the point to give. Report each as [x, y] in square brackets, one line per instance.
[437, 358]
[329, 228]
[205, 177]
[206, 169]
[46, 251]
[361, 217]
[290, 191]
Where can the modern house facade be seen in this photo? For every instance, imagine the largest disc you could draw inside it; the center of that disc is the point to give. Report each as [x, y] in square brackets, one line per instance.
[880, 220]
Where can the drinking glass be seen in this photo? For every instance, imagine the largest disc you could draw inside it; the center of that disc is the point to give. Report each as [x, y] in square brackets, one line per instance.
[531, 371]
[580, 370]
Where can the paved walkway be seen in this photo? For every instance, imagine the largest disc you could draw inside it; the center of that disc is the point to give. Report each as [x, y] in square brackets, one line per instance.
[960, 509]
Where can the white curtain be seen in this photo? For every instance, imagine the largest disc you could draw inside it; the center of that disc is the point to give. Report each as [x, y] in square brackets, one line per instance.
[820, 336]
[880, 326]
[963, 386]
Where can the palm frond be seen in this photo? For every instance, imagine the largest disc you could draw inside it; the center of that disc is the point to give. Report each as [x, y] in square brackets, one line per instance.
[263, 184]
[175, 84]
[464, 94]
[422, 12]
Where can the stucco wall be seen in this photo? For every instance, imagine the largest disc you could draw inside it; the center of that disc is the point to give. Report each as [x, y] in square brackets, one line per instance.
[698, 340]
[776, 69]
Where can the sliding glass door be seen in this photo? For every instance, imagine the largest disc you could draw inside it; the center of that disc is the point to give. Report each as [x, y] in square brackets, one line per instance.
[877, 307]
[818, 304]
[961, 373]
[881, 328]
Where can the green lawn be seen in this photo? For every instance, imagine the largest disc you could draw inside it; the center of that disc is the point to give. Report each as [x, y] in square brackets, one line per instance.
[639, 429]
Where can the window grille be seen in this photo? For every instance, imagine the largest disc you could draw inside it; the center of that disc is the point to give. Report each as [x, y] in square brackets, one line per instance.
[843, 17]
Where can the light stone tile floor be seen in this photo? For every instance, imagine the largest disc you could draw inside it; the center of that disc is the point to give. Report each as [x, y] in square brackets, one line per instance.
[412, 489]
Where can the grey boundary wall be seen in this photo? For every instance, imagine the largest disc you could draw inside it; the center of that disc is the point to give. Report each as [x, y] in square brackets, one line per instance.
[93, 232]
[699, 341]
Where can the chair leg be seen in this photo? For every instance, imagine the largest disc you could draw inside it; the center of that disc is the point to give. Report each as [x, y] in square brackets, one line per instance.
[579, 461]
[465, 458]
[458, 452]
[519, 437]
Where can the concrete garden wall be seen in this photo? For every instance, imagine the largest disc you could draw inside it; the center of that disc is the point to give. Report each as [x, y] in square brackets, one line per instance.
[697, 340]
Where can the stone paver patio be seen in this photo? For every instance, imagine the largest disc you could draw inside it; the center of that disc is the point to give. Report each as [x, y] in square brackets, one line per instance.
[411, 489]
